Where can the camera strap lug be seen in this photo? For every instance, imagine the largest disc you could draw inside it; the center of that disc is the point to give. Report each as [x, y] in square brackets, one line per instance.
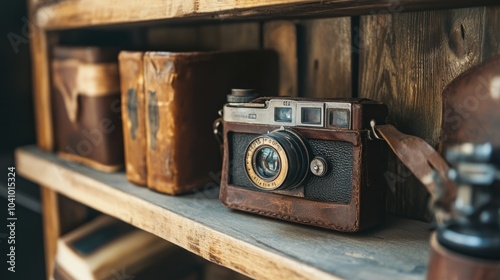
[373, 132]
[218, 129]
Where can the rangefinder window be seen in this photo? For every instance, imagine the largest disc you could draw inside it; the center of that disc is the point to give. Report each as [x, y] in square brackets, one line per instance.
[282, 114]
[339, 118]
[311, 115]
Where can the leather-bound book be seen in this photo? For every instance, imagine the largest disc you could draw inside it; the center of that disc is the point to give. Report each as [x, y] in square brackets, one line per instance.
[86, 106]
[184, 92]
[133, 114]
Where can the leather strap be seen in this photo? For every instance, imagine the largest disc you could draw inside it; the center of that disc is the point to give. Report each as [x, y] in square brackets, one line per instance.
[423, 161]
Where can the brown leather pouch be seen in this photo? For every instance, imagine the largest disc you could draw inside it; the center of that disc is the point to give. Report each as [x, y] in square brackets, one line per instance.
[133, 115]
[184, 92]
[86, 106]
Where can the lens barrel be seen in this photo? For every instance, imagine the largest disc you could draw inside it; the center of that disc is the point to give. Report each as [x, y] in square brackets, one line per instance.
[277, 160]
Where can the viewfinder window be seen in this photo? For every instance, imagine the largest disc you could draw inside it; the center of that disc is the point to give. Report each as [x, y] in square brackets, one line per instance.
[311, 115]
[282, 114]
[339, 118]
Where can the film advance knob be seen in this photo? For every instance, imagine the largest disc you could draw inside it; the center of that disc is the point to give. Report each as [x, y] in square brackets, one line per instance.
[318, 166]
[241, 95]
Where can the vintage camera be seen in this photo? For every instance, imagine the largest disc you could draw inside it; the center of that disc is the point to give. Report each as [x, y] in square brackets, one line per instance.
[310, 161]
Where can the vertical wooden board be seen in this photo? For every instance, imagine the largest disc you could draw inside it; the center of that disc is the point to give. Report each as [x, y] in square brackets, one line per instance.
[491, 43]
[41, 85]
[234, 36]
[60, 215]
[208, 37]
[326, 58]
[73, 214]
[240, 36]
[51, 227]
[41, 98]
[281, 36]
[172, 38]
[406, 60]
[229, 37]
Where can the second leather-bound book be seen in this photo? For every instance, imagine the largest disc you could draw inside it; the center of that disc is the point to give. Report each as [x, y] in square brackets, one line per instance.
[181, 95]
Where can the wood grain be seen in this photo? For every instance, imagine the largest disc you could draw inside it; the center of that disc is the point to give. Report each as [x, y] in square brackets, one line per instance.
[51, 228]
[326, 58]
[281, 36]
[253, 245]
[239, 36]
[491, 39]
[81, 13]
[71, 214]
[406, 60]
[233, 36]
[41, 85]
[40, 69]
[228, 36]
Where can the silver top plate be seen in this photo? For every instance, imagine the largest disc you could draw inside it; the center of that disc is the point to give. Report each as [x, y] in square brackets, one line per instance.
[285, 112]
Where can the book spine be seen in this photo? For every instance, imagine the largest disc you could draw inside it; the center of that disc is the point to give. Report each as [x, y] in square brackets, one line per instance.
[159, 72]
[184, 92]
[133, 115]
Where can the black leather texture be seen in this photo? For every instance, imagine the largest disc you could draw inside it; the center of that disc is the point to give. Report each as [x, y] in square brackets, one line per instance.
[335, 186]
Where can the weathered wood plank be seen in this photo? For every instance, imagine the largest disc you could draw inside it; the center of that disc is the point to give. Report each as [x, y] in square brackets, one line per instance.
[234, 36]
[491, 39]
[240, 36]
[80, 13]
[40, 69]
[253, 245]
[171, 38]
[71, 215]
[325, 68]
[406, 60]
[51, 231]
[281, 36]
[41, 86]
[59, 215]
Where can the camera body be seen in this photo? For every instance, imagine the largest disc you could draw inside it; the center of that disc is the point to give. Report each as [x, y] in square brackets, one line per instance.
[310, 161]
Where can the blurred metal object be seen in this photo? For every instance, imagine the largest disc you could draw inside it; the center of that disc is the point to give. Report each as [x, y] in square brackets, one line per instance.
[473, 228]
[466, 244]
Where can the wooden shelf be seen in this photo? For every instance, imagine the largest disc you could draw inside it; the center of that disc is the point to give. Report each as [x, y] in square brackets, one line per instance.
[256, 246]
[54, 15]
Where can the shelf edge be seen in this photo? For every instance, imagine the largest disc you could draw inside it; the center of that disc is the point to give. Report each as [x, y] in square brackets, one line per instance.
[90, 13]
[195, 237]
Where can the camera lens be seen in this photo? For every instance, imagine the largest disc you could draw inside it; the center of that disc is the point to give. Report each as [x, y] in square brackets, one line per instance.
[267, 162]
[277, 160]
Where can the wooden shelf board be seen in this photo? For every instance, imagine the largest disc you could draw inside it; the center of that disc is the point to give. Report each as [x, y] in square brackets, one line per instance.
[253, 245]
[53, 15]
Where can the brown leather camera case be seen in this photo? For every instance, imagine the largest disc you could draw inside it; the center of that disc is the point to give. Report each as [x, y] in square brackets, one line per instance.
[366, 207]
[86, 106]
[184, 92]
[133, 115]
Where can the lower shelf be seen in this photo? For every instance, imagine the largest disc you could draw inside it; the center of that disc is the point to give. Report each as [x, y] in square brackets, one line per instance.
[255, 246]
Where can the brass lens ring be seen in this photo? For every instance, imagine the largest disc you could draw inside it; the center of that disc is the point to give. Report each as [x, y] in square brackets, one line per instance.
[256, 146]
[277, 160]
